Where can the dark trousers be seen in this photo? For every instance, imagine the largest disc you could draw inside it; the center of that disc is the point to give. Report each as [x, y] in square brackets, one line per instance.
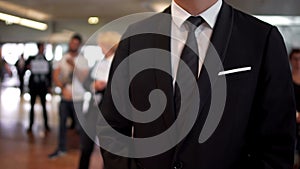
[42, 94]
[87, 147]
[21, 79]
[87, 135]
[66, 108]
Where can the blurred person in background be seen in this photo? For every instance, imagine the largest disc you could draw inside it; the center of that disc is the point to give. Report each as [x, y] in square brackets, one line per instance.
[4, 67]
[96, 83]
[69, 77]
[20, 65]
[295, 63]
[39, 82]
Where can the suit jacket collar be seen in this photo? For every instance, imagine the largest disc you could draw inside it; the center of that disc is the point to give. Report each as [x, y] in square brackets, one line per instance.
[179, 15]
[219, 43]
[221, 32]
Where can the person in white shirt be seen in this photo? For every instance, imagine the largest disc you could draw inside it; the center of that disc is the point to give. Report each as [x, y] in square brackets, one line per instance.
[69, 75]
[108, 42]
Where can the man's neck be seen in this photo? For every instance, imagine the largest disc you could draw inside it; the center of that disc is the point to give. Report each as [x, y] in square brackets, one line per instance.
[195, 7]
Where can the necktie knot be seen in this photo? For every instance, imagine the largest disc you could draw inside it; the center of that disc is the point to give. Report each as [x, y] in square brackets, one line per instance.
[193, 22]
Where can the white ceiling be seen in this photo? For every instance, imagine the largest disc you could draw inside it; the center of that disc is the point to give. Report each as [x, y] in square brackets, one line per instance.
[81, 9]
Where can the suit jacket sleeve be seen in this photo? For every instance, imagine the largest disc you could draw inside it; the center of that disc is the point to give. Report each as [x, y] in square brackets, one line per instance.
[272, 121]
[113, 117]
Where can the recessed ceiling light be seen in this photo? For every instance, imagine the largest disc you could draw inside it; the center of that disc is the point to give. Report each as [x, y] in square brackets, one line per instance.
[93, 20]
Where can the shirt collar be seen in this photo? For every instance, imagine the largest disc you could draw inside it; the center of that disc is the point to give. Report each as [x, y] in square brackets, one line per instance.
[110, 58]
[179, 15]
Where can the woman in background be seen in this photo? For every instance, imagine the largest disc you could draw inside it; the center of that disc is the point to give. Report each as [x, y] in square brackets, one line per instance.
[108, 42]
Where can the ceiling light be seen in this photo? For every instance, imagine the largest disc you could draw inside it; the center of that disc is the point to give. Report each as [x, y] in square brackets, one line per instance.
[280, 20]
[24, 11]
[33, 24]
[22, 21]
[93, 20]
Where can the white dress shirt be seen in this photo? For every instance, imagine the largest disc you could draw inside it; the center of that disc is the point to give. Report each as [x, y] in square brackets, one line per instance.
[179, 33]
[101, 70]
[73, 84]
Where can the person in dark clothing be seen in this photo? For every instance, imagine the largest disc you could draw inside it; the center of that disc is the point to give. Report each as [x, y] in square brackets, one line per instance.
[39, 82]
[254, 130]
[21, 69]
[295, 63]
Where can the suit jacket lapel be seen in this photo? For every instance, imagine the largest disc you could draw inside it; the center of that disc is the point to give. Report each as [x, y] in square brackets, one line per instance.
[220, 39]
[219, 43]
[222, 30]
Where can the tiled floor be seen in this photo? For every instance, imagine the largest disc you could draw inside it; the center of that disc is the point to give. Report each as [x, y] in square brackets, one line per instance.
[19, 150]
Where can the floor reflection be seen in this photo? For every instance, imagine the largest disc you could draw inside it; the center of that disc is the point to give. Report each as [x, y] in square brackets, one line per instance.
[19, 150]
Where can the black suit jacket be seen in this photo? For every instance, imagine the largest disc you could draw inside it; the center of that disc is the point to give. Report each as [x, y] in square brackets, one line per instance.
[45, 83]
[258, 124]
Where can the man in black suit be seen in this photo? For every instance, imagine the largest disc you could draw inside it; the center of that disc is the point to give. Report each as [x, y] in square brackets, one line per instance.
[39, 82]
[257, 126]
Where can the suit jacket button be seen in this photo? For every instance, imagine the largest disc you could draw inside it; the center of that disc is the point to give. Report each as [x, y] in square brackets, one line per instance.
[178, 165]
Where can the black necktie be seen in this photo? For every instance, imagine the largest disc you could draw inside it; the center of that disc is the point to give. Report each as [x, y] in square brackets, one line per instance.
[189, 56]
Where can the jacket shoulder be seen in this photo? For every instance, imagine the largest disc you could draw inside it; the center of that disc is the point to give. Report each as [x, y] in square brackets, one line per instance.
[150, 21]
[244, 20]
